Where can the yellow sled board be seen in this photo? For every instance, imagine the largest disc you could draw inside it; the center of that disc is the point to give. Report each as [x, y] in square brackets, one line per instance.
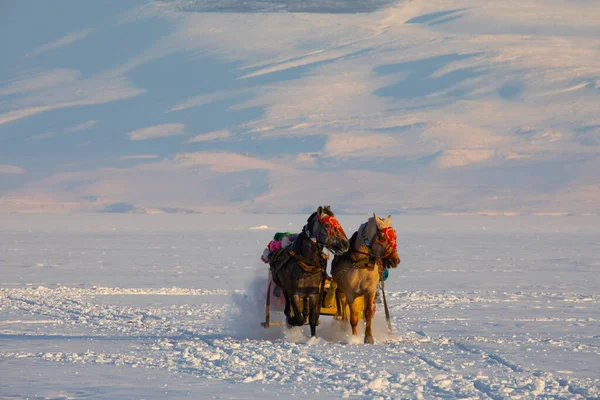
[329, 306]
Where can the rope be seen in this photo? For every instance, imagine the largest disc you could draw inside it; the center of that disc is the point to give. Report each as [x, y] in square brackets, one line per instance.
[322, 289]
[267, 306]
[385, 306]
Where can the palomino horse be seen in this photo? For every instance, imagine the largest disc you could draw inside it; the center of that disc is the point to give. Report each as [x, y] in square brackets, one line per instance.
[357, 273]
[300, 269]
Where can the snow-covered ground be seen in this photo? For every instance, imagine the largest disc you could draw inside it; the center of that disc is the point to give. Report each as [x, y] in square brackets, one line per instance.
[168, 306]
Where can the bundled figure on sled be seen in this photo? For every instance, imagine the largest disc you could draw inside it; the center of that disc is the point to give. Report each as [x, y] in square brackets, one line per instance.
[281, 240]
[298, 281]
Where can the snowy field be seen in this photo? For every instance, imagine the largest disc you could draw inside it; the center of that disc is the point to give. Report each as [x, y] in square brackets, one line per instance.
[168, 306]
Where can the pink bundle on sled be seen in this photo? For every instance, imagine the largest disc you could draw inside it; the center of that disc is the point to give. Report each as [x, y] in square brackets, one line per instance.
[281, 240]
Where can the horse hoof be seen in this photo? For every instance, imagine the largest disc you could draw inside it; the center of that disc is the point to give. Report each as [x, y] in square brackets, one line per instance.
[369, 340]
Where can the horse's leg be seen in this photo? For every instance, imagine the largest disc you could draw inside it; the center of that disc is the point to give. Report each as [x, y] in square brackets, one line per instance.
[286, 310]
[298, 319]
[369, 299]
[306, 311]
[338, 306]
[315, 309]
[342, 303]
[354, 311]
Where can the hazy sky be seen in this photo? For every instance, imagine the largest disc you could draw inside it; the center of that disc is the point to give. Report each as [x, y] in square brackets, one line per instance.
[425, 106]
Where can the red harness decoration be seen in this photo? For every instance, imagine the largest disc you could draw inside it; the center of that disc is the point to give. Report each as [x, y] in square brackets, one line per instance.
[332, 225]
[390, 235]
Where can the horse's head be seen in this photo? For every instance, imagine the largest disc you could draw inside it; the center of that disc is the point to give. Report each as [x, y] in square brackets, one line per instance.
[379, 236]
[327, 230]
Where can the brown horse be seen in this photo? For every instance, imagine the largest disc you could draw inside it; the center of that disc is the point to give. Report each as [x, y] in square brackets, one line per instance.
[358, 272]
[299, 270]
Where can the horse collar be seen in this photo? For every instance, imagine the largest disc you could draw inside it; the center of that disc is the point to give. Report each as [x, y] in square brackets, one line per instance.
[309, 234]
[363, 227]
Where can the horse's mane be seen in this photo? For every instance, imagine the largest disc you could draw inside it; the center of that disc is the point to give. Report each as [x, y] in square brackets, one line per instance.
[382, 222]
[326, 210]
[373, 224]
[370, 231]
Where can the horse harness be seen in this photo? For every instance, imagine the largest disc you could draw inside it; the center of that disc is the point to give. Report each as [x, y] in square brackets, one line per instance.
[317, 264]
[370, 261]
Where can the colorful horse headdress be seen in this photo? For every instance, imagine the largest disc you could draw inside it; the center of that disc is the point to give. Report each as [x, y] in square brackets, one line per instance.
[332, 225]
[387, 234]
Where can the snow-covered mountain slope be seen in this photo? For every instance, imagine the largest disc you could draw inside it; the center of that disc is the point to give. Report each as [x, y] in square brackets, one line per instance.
[422, 106]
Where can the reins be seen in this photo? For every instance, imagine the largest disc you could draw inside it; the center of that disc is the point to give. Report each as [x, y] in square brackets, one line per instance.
[323, 279]
[304, 263]
[334, 230]
[385, 306]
